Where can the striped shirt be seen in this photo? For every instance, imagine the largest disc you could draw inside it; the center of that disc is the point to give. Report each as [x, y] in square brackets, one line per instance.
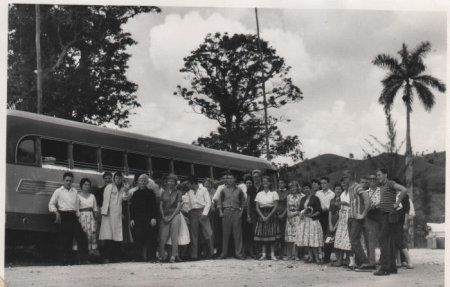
[356, 201]
[387, 196]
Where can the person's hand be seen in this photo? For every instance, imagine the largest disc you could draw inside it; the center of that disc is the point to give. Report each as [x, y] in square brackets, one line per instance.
[396, 205]
[280, 216]
[221, 214]
[131, 223]
[360, 216]
[265, 219]
[249, 219]
[58, 218]
[153, 222]
[405, 227]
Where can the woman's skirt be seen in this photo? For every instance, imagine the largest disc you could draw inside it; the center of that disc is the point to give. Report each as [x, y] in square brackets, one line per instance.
[309, 233]
[292, 225]
[89, 225]
[268, 231]
[342, 239]
[183, 233]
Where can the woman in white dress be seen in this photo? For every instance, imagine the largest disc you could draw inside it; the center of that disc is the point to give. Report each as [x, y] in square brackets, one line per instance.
[87, 213]
[111, 227]
[342, 239]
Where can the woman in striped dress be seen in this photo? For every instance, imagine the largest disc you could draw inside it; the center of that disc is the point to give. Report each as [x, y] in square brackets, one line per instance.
[267, 229]
[309, 233]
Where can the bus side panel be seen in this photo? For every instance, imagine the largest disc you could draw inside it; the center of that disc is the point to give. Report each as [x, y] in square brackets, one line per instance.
[28, 191]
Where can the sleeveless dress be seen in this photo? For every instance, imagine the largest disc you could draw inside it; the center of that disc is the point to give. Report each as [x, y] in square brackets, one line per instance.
[293, 204]
[87, 220]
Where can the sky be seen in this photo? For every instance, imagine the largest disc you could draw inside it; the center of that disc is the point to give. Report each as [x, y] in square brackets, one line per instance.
[330, 52]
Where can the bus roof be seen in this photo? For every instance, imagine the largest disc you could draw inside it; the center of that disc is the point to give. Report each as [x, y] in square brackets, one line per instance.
[206, 155]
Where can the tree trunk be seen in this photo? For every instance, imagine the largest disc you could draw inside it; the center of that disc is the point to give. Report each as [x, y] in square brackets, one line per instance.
[409, 169]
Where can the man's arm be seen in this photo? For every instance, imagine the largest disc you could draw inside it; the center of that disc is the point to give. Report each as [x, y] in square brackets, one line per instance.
[402, 190]
[207, 200]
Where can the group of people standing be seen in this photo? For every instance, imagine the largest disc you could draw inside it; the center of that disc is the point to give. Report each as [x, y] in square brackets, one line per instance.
[193, 219]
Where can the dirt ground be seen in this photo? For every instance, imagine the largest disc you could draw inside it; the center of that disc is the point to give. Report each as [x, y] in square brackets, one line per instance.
[429, 271]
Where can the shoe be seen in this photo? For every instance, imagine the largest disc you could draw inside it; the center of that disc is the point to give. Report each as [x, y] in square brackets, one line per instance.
[381, 273]
[320, 262]
[263, 257]
[365, 268]
[286, 258]
[297, 259]
[326, 261]
[336, 264]
[222, 257]
[240, 257]
[393, 271]
[273, 257]
[105, 261]
[351, 267]
[178, 259]
[85, 262]
[409, 266]
[309, 261]
[172, 260]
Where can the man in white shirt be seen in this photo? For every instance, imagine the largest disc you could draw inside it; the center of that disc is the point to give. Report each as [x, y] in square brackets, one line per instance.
[200, 204]
[64, 204]
[325, 196]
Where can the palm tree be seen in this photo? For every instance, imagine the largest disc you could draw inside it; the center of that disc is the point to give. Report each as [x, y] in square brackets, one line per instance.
[406, 73]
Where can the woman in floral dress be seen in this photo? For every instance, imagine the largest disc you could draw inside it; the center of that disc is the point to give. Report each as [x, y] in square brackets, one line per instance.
[342, 240]
[87, 214]
[293, 219]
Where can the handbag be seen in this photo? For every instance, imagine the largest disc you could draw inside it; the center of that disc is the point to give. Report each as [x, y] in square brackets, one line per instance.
[329, 239]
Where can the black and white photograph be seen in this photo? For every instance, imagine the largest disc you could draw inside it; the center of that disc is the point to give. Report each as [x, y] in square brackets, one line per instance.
[223, 143]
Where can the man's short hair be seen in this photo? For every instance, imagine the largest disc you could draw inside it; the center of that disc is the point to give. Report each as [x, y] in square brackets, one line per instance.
[228, 173]
[107, 173]
[350, 173]
[382, 170]
[306, 184]
[325, 178]
[68, 174]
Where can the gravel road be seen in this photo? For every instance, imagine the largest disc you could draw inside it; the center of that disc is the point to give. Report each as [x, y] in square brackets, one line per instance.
[429, 271]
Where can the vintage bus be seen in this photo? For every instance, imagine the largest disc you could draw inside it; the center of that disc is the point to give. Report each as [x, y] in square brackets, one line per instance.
[41, 148]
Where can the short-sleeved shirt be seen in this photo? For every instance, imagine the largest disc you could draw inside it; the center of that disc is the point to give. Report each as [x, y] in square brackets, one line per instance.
[267, 199]
[325, 197]
[355, 192]
[170, 201]
[387, 196]
[374, 197]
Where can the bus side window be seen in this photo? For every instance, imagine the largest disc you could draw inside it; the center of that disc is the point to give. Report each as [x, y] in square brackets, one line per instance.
[160, 166]
[55, 152]
[182, 169]
[26, 151]
[112, 160]
[137, 163]
[201, 171]
[85, 156]
[218, 171]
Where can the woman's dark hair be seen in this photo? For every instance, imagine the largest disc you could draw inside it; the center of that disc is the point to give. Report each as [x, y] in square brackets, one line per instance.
[118, 173]
[315, 181]
[337, 184]
[84, 180]
[306, 184]
[248, 177]
[107, 173]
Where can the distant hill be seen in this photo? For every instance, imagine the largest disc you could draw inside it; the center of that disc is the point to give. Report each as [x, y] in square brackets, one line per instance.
[429, 177]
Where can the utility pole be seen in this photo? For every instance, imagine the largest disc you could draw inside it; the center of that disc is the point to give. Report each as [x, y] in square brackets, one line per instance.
[38, 59]
[263, 88]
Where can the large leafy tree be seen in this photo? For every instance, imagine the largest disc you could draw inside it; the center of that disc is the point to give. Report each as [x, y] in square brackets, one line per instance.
[83, 61]
[225, 76]
[407, 73]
